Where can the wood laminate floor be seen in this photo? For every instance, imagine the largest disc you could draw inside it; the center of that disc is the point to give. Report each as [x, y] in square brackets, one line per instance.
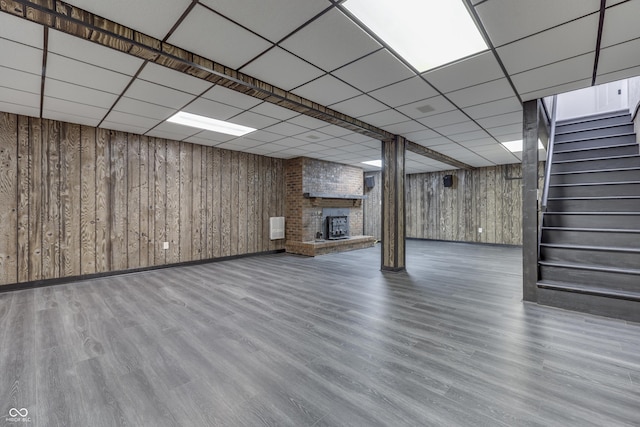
[329, 341]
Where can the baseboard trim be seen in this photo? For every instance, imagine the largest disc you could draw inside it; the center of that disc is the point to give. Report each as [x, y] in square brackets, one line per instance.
[71, 279]
[506, 245]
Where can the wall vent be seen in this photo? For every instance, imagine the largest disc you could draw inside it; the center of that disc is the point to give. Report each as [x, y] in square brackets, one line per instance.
[276, 227]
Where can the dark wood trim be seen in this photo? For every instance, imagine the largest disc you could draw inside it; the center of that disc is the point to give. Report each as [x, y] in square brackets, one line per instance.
[531, 122]
[393, 253]
[72, 279]
[465, 242]
[603, 8]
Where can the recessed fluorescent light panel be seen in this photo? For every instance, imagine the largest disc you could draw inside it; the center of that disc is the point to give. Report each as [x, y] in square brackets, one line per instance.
[426, 33]
[516, 146]
[376, 163]
[206, 123]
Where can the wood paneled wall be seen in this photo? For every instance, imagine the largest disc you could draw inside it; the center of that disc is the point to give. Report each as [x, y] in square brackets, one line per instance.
[372, 207]
[487, 198]
[76, 200]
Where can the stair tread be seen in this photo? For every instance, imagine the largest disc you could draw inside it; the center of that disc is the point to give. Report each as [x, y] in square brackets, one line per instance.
[595, 198]
[593, 138]
[594, 117]
[591, 184]
[587, 289]
[597, 170]
[590, 267]
[596, 230]
[590, 213]
[593, 159]
[590, 247]
[577, 150]
[590, 129]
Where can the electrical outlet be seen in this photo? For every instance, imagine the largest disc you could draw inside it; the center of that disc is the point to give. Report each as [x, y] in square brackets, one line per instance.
[165, 245]
[480, 230]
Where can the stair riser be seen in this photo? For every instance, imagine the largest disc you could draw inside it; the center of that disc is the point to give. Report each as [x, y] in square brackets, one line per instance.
[594, 143]
[625, 150]
[563, 134]
[628, 222]
[596, 190]
[602, 279]
[593, 238]
[608, 121]
[584, 178]
[613, 205]
[625, 162]
[587, 257]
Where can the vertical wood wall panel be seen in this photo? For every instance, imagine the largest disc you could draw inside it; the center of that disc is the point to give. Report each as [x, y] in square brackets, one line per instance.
[77, 200]
[8, 198]
[23, 188]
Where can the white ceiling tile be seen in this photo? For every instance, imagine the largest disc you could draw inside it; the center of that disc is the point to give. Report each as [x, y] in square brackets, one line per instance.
[57, 109]
[434, 142]
[216, 38]
[267, 18]
[145, 109]
[323, 41]
[33, 111]
[240, 144]
[405, 92]
[214, 136]
[123, 127]
[567, 87]
[501, 120]
[469, 71]
[559, 43]
[374, 71]
[20, 80]
[482, 93]
[212, 109]
[335, 143]
[506, 130]
[21, 30]
[494, 108]
[152, 17]
[473, 138]
[307, 122]
[93, 53]
[263, 136]
[619, 57]
[172, 131]
[618, 75]
[334, 130]
[356, 137]
[383, 118]
[231, 97]
[326, 90]
[282, 69]
[559, 73]
[20, 57]
[427, 107]
[129, 119]
[286, 129]
[82, 74]
[458, 128]
[620, 23]
[508, 20]
[156, 94]
[164, 76]
[444, 119]
[358, 106]
[275, 111]
[256, 121]
[421, 135]
[80, 94]
[201, 141]
[18, 97]
[404, 128]
[314, 137]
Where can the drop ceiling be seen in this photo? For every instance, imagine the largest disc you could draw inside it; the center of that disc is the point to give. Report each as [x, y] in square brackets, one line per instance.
[314, 49]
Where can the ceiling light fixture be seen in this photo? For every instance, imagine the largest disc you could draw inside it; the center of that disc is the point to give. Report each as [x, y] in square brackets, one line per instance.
[207, 123]
[516, 146]
[426, 33]
[376, 163]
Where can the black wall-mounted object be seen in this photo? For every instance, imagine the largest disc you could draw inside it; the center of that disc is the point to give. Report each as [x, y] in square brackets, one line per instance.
[369, 182]
[447, 180]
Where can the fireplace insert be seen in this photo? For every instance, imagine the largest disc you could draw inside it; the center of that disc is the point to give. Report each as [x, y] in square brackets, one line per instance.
[337, 227]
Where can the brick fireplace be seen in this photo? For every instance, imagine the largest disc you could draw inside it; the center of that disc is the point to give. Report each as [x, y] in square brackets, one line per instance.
[316, 190]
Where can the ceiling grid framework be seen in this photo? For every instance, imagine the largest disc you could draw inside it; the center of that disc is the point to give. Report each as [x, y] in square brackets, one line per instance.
[462, 110]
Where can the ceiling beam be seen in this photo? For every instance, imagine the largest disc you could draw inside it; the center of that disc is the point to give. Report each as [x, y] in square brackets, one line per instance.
[80, 23]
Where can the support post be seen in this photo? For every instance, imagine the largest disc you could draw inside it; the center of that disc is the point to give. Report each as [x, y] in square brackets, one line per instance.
[530, 200]
[393, 212]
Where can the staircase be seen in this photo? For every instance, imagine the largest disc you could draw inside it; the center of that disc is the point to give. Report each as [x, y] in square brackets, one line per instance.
[590, 244]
